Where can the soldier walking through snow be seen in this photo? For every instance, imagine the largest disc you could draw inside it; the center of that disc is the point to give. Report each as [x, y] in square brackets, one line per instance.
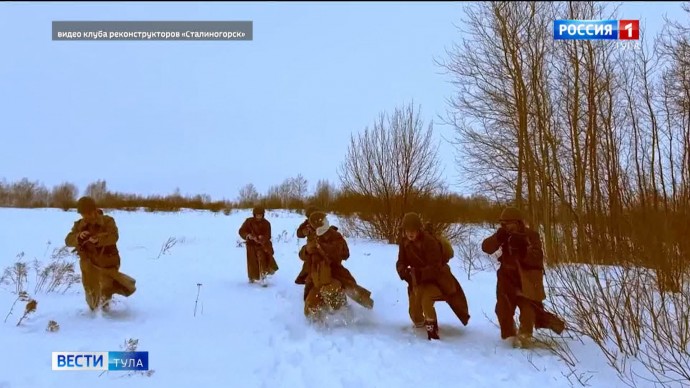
[304, 230]
[328, 280]
[95, 238]
[520, 279]
[256, 231]
[421, 264]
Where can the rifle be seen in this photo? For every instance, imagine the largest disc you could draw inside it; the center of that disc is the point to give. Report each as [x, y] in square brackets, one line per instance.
[261, 242]
[413, 284]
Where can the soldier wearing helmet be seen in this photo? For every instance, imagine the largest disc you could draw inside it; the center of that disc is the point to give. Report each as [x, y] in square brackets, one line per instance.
[256, 231]
[95, 238]
[304, 230]
[520, 277]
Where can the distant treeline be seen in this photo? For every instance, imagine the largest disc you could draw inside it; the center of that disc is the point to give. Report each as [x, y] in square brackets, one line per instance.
[290, 195]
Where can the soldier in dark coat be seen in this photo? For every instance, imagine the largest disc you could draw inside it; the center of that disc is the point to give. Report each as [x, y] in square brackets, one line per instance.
[520, 279]
[429, 278]
[303, 231]
[256, 231]
[95, 238]
[325, 251]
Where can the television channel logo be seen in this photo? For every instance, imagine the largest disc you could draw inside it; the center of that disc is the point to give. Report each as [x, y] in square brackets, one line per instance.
[102, 361]
[615, 29]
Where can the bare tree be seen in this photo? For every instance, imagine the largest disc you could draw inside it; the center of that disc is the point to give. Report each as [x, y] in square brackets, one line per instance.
[300, 187]
[97, 190]
[324, 193]
[27, 193]
[248, 196]
[390, 165]
[64, 195]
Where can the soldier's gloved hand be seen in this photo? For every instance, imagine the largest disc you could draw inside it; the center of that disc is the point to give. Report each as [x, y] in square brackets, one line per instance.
[250, 237]
[311, 248]
[502, 235]
[406, 275]
[83, 235]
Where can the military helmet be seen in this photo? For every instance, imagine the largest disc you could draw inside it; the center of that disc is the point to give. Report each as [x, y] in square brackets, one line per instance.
[310, 209]
[317, 219]
[511, 214]
[86, 205]
[258, 210]
[412, 221]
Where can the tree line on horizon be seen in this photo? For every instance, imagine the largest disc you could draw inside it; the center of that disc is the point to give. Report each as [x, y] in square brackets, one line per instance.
[292, 194]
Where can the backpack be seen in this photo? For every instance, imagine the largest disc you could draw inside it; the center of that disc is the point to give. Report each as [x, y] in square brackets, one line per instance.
[447, 251]
[446, 248]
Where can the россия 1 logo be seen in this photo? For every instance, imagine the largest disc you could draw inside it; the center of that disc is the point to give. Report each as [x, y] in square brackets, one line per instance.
[596, 29]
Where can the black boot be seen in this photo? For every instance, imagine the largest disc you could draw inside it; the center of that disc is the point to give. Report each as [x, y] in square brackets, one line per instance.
[432, 330]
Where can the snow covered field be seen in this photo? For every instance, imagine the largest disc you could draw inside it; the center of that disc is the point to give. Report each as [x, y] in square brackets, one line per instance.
[247, 336]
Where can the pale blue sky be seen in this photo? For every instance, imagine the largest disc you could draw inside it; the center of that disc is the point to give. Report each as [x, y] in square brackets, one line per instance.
[208, 117]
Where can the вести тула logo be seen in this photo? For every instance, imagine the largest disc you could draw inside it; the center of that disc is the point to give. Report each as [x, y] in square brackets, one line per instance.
[90, 361]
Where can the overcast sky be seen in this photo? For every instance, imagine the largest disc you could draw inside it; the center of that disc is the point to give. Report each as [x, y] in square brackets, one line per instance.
[209, 117]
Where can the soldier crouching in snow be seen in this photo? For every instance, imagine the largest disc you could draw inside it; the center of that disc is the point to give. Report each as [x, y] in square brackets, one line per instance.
[328, 282]
[95, 237]
[421, 264]
[520, 279]
[256, 231]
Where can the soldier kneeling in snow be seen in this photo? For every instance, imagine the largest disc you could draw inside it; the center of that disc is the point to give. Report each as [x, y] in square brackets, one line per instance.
[95, 236]
[328, 281]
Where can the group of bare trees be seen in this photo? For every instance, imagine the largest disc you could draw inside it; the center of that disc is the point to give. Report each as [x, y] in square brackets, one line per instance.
[31, 194]
[592, 140]
[394, 165]
[292, 193]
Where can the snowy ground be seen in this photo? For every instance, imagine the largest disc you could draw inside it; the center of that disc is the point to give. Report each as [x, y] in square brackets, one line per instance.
[247, 336]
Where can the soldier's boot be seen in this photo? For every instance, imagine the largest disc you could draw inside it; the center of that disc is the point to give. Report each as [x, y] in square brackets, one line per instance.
[105, 305]
[523, 341]
[432, 330]
[302, 277]
[547, 320]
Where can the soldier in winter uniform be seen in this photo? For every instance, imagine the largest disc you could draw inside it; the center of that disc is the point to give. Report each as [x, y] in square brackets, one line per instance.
[256, 231]
[328, 281]
[303, 231]
[420, 263]
[520, 279]
[95, 238]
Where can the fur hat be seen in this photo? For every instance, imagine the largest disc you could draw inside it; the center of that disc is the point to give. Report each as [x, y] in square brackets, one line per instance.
[412, 221]
[86, 205]
[319, 222]
[511, 214]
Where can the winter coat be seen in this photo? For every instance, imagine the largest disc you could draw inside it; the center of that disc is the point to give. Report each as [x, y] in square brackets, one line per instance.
[103, 256]
[527, 266]
[332, 252]
[261, 229]
[104, 253]
[425, 257]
